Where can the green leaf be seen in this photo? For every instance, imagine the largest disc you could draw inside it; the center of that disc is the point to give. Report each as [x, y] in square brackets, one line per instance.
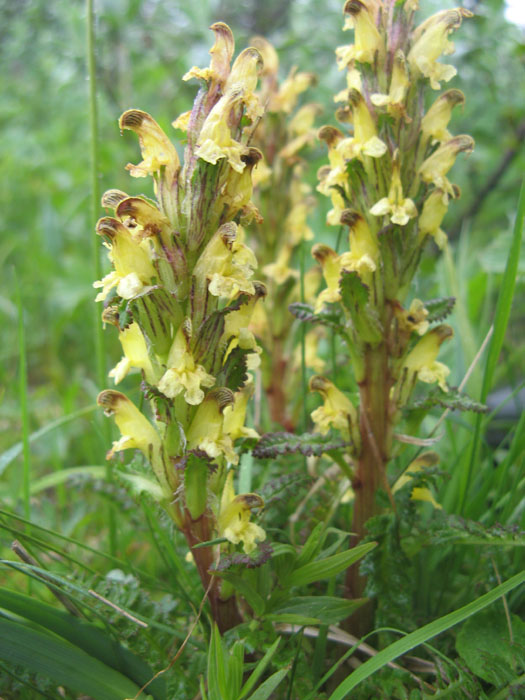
[234, 372]
[242, 586]
[259, 670]
[264, 691]
[312, 545]
[501, 317]
[41, 652]
[332, 319]
[326, 610]
[485, 645]
[453, 399]
[195, 478]
[422, 635]
[326, 568]
[91, 639]
[439, 309]
[274, 444]
[355, 296]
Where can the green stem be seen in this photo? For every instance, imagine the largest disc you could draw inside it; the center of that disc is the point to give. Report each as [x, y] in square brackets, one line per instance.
[100, 350]
[24, 414]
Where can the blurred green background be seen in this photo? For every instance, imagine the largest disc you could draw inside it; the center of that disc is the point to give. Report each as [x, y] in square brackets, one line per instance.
[143, 47]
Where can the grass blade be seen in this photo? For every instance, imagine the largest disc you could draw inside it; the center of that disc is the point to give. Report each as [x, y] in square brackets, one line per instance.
[501, 320]
[423, 634]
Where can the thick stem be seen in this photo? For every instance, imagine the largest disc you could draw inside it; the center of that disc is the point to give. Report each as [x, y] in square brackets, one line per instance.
[224, 611]
[376, 429]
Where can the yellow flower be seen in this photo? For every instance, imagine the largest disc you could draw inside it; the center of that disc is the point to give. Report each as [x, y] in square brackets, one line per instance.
[235, 416]
[436, 166]
[415, 317]
[337, 410]
[430, 41]
[364, 250]
[279, 271]
[434, 123]
[135, 354]
[157, 150]
[301, 129]
[215, 140]
[206, 431]
[130, 257]
[184, 374]
[365, 140]
[227, 263]
[421, 360]
[433, 213]
[136, 430]
[331, 266]
[221, 56]
[398, 87]
[399, 208]
[286, 98]
[427, 459]
[367, 40]
[234, 517]
[243, 79]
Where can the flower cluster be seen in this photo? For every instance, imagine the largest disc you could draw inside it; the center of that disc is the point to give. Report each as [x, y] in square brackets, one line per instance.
[181, 294]
[285, 201]
[387, 182]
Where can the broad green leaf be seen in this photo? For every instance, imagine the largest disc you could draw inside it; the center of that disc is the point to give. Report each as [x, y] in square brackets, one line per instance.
[327, 610]
[484, 644]
[422, 635]
[91, 639]
[66, 664]
[312, 545]
[326, 568]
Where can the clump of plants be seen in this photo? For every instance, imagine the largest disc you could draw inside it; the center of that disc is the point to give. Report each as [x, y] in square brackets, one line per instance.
[326, 552]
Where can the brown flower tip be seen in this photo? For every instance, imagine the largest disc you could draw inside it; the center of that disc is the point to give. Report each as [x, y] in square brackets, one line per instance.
[112, 198]
[350, 218]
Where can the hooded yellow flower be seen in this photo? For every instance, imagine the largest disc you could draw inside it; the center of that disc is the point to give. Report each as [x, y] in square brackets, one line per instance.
[131, 260]
[436, 166]
[394, 100]
[135, 355]
[157, 150]
[365, 141]
[367, 40]
[234, 517]
[337, 410]
[136, 430]
[331, 266]
[206, 431]
[431, 40]
[434, 123]
[396, 206]
[227, 263]
[184, 374]
[364, 250]
[421, 360]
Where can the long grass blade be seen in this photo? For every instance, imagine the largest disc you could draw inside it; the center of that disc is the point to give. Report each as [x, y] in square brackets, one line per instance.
[501, 320]
[423, 634]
